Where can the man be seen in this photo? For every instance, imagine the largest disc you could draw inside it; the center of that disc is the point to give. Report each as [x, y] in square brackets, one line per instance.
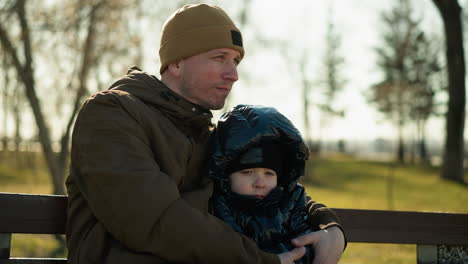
[137, 193]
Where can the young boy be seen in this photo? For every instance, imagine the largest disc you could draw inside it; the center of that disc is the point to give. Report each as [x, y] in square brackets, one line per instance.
[257, 159]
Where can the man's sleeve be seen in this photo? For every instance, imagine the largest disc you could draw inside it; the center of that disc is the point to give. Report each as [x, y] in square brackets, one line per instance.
[322, 217]
[137, 203]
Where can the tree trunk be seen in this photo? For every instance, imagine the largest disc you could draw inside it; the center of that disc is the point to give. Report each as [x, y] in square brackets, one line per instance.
[423, 152]
[87, 59]
[5, 109]
[452, 167]
[401, 144]
[17, 138]
[305, 97]
[401, 150]
[25, 73]
[57, 164]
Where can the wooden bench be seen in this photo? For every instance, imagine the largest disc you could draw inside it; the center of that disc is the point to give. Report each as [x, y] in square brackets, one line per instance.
[440, 237]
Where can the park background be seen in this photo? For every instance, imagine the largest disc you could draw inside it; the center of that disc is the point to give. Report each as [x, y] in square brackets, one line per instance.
[365, 81]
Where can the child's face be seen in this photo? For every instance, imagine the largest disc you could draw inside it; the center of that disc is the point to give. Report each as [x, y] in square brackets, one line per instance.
[255, 181]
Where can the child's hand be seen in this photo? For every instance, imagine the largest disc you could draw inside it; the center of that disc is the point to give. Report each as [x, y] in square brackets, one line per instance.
[290, 256]
[328, 244]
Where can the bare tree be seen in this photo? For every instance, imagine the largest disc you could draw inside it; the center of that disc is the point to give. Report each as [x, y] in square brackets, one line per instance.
[333, 63]
[306, 91]
[452, 167]
[25, 71]
[12, 108]
[299, 67]
[406, 69]
[427, 80]
[86, 26]
[17, 117]
[332, 81]
[6, 95]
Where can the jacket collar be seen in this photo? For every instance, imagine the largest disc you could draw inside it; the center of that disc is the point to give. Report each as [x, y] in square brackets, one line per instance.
[260, 206]
[189, 117]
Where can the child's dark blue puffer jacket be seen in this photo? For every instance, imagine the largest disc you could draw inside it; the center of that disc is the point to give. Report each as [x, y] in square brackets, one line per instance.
[281, 216]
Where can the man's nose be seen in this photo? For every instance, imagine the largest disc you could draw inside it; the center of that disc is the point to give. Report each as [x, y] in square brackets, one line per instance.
[230, 72]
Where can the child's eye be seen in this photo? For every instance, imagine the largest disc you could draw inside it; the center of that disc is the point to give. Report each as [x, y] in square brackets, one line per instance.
[246, 172]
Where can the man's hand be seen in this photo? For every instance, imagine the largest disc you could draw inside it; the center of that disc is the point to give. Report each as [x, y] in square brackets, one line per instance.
[328, 244]
[290, 256]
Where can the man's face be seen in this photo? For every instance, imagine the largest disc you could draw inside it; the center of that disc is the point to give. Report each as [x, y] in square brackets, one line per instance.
[207, 78]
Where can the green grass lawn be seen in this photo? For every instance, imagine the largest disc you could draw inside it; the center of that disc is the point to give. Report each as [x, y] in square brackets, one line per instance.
[338, 181]
[343, 182]
[349, 183]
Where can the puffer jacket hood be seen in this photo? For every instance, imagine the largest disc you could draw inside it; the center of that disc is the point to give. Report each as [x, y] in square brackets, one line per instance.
[281, 215]
[151, 91]
[246, 126]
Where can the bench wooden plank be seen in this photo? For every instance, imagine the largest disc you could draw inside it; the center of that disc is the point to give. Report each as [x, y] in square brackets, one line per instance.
[432, 232]
[46, 214]
[33, 214]
[34, 261]
[376, 226]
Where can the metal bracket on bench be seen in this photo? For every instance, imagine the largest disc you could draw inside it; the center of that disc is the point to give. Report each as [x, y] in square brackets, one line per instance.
[441, 254]
[5, 245]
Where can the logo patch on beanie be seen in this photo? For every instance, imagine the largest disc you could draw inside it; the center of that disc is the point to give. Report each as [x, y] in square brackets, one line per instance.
[236, 38]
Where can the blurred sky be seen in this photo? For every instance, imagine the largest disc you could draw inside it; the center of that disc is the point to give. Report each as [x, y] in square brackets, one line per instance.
[268, 76]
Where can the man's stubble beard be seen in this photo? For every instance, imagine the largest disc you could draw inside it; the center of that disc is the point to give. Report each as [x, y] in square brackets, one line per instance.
[186, 92]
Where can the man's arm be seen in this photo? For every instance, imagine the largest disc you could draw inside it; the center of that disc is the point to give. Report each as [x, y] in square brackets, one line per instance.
[321, 217]
[329, 241]
[328, 244]
[138, 203]
[325, 218]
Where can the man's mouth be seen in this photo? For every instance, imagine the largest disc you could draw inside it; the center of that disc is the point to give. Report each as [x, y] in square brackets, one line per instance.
[224, 89]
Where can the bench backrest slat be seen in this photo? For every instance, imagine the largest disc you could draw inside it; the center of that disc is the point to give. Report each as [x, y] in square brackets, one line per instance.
[33, 261]
[46, 214]
[33, 214]
[376, 226]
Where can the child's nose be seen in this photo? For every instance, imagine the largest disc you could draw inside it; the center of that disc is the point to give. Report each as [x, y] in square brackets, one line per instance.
[259, 182]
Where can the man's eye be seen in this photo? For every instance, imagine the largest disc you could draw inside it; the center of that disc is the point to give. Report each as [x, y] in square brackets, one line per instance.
[246, 172]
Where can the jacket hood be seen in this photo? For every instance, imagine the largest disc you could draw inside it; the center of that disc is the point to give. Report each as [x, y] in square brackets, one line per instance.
[152, 91]
[246, 126]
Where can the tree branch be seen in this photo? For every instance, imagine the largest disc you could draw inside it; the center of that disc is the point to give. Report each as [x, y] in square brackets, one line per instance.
[8, 48]
[82, 78]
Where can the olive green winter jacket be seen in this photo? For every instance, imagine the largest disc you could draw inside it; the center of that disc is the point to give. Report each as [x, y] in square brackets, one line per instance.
[136, 190]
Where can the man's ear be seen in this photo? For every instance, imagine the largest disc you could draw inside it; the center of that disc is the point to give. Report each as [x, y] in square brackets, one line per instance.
[175, 68]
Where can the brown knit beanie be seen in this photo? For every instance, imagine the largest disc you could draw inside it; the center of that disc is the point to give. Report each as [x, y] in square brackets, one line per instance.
[194, 29]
